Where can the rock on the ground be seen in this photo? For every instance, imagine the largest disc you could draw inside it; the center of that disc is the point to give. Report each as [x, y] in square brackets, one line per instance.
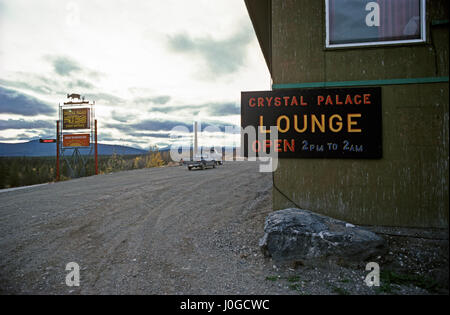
[300, 235]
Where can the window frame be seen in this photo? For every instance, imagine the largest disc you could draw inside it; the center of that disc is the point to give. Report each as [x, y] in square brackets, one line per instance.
[422, 39]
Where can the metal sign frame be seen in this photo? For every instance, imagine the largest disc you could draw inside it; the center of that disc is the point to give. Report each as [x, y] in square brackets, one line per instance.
[75, 160]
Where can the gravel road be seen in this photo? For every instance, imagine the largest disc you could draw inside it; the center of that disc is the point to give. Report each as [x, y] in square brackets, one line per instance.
[153, 231]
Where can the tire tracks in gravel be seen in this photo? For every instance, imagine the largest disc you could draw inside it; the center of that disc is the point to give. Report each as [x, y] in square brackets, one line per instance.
[154, 201]
[141, 231]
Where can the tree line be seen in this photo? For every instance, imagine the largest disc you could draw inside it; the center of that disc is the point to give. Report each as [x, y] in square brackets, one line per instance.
[23, 171]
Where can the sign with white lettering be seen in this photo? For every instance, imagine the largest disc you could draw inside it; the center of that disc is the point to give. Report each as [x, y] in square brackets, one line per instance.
[76, 140]
[365, 22]
[315, 123]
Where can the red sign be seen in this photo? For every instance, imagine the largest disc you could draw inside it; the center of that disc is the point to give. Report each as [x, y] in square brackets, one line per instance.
[76, 140]
[47, 140]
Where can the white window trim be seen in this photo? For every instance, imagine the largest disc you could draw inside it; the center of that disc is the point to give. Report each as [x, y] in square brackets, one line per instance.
[393, 42]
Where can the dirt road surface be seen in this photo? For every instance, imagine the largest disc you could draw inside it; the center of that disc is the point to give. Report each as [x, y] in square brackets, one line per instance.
[153, 231]
[162, 231]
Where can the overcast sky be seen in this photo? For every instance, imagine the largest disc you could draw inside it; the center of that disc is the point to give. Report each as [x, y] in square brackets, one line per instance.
[149, 66]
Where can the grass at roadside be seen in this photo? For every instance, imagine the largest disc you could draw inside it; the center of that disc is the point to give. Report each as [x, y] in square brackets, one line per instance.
[389, 278]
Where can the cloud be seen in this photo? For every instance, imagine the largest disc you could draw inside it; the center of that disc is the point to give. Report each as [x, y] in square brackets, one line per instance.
[45, 85]
[64, 66]
[13, 102]
[34, 135]
[150, 134]
[150, 125]
[224, 109]
[105, 97]
[25, 124]
[162, 125]
[178, 108]
[167, 125]
[121, 117]
[37, 86]
[163, 99]
[80, 84]
[214, 109]
[222, 56]
[154, 125]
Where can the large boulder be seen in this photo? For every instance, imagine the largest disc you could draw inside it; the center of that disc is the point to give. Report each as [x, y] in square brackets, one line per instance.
[300, 235]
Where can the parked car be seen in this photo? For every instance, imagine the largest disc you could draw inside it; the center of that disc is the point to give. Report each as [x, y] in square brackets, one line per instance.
[202, 161]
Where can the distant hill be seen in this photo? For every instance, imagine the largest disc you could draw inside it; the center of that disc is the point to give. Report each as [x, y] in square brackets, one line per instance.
[35, 148]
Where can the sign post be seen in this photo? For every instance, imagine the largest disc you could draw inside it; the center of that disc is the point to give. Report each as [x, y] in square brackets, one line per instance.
[96, 149]
[57, 150]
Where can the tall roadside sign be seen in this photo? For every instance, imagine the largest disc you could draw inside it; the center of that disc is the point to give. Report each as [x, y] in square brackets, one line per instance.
[77, 135]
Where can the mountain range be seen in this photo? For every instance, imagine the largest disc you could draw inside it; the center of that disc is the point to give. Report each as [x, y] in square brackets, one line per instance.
[35, 148]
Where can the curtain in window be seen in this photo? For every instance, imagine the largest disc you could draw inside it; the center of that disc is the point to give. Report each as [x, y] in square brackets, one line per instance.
[399, 19]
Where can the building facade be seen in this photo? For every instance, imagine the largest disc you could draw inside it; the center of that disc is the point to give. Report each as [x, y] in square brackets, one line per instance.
[305, 47]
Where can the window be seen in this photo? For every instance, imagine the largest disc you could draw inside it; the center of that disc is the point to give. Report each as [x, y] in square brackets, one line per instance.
[380, 22]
